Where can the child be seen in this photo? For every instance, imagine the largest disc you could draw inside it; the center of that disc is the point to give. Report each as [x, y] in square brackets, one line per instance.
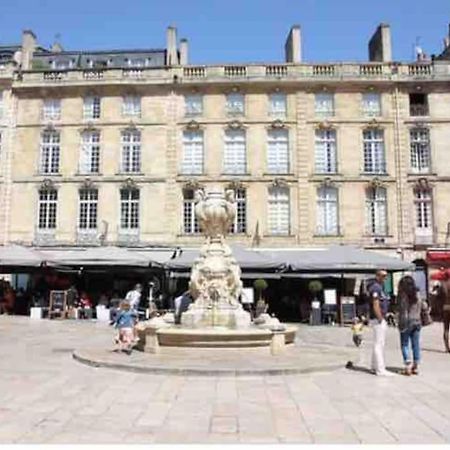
[357, 329]
[125, 321]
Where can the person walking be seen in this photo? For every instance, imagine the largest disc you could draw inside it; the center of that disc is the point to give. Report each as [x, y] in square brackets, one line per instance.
[125, 324]
[441, 291]
[133, 297]
[378, 308]
[410, 308]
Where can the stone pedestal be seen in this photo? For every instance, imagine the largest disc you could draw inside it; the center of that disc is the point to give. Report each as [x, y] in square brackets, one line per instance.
[203, 318]
[278, 343]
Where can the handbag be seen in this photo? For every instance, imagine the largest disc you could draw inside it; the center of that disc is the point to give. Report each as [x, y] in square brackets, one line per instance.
[425, 317]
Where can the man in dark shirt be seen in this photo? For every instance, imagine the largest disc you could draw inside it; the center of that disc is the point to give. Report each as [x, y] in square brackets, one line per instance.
[379, 305]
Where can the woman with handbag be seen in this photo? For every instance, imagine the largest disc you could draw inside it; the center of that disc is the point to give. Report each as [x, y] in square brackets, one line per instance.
[413, 313]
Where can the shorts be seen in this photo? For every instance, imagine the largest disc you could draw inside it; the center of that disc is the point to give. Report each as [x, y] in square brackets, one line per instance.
[126, 335]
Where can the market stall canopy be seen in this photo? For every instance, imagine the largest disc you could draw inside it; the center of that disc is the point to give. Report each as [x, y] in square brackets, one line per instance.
[338, 258]
[246, 258]
[19, 256]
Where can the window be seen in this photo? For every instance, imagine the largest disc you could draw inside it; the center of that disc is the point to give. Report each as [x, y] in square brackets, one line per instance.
[190, 222]
[240, 221]
[418, 105]
[327, 211]
[1, 104]
[278, 106]
[423, 205]
[62, 64]
[50, 150]
[192, 162]
[235, 104]
[325, 146]
[235, 153]
[420, 150]
[88, 201]
[90, 152]
[136, 62]
[131, 106]
[48, 202]
[324, 104]
[278, 151]
[52, 109]
[371, 104]
[193, 105]
[376, 211]
[129, 208]
[278, 217]
[92, 108]
[374, 161]
[131, 151]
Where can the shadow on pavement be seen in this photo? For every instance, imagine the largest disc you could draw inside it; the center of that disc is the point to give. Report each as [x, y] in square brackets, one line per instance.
[353, 367]
[434, 350]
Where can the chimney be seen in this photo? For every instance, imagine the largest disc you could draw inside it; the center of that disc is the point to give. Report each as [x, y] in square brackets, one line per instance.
[184, 52]
[293, 45]
[380, 47]
[57, 47]
[171, 47]
[28, 48]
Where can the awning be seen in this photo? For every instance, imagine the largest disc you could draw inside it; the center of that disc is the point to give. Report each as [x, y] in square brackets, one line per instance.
[19, 256]
[244, 275]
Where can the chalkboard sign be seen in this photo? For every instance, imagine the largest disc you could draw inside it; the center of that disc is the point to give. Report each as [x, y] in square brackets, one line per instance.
[58, 303]
[348, 310]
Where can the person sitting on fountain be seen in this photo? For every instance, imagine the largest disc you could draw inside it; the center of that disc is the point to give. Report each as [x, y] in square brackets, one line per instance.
[125, 322]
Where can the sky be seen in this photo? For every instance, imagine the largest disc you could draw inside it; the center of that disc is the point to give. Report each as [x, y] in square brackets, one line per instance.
[221, 31]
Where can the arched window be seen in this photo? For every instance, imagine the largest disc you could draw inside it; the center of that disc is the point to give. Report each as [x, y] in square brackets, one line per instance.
[48, 204]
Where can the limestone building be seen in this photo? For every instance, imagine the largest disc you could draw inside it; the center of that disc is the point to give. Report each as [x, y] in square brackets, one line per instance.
[107, 147]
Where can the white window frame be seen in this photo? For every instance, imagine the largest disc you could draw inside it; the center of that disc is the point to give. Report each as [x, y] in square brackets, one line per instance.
[50, 152]
[423, 203]
[420, 149]
[376, 211]
[324, 104]
[87, 209]
[239, 226]
[131, 106]
[193, 152]
[131, 153]
[325, 150]
[92, 107]
[278, 105]
[51, 109]
[277, 156]
[193, 104]
[374, 151]
[47, 209]
[327, 211]
[235, 104]
[129, 208]
[278, 210]
[371, 104]
[90, 152]
[235, 152]
[190, 221]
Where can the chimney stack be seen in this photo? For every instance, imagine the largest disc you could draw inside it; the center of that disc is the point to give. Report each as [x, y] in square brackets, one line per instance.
[28, 48]
[184, 52]
[293, 45]
[380, 47]
[171, 47]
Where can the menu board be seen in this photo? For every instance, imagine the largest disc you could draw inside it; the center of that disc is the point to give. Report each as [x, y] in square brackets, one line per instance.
[348, 310]
[58, 302]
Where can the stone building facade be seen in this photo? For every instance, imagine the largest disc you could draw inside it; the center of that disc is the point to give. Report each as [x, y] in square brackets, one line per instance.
[108, 147]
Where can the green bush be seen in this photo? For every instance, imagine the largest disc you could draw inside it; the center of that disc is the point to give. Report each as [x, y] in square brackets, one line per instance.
[260, 284]
[315, 286]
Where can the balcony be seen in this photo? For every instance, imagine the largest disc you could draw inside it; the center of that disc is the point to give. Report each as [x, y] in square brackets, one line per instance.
[128, 235]
[44, 236]
[88, 236]
[418, 110]
[424, 237]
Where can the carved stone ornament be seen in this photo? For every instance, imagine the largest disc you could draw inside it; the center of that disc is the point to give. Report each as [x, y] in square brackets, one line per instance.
[235, 125]
[193, 125]
[375, 183]
[278, 124]
[192, 184]
[422, 184]
[87, 184]
[327, 182]
[325, 125]
[279, 182]
[49, 126]
[48, 184]
[374, 123]
[235, 185]
[129, 183]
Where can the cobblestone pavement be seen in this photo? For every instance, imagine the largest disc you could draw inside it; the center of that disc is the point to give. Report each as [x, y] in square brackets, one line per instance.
[47, 397]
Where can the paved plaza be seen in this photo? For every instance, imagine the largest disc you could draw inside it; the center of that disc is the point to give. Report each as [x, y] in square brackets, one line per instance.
[48, 397]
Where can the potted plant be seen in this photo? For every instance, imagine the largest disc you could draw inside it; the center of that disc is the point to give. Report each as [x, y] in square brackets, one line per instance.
[259, 286]
[315, 286]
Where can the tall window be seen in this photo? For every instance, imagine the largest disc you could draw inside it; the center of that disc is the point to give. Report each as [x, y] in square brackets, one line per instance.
[193, 105]
[235, 105]
[51, 109]
[190, 222]
[278, 106]
[131, 106]
[90, 152]
[420, 149]
[278, 217]
[131, 151]
[374, 159]
[324, 104]
[418, 105]
[325, 146]
[278, 151]
[371, 104]
[1, 104]
[192, 162]
[423, 206]
[48, 203]
[235, 153]
[92, 108]
[327, 211]
[88, 203]
[376, 211]
[50, 151]
[240, 221]
[129, 208]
